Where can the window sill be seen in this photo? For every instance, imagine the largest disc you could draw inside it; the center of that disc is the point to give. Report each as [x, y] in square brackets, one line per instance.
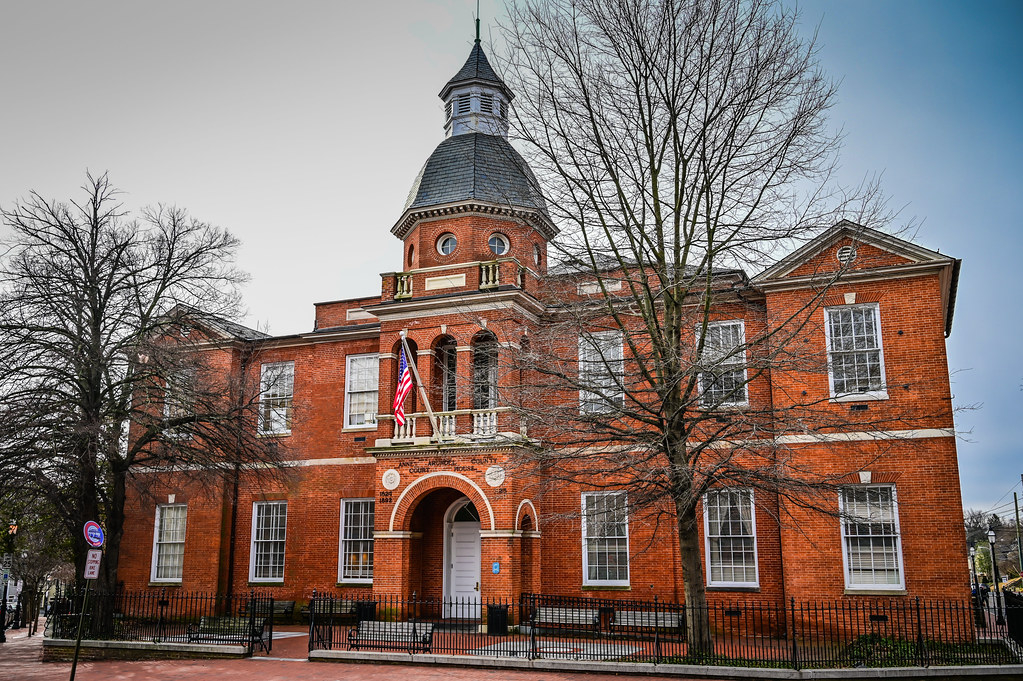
[874, 592]
[728, 408]
[173, 584]
[356, 585]
[744, 588]
[267, 583]
[876, 396]
[359, 429]
[606, 587]
[283, 433]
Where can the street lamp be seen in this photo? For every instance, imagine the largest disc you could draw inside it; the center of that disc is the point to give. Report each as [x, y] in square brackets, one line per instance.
[999, 619]
[978, 613]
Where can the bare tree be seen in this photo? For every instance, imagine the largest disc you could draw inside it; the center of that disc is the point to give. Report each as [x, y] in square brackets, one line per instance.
[107, 369]
[680, 144]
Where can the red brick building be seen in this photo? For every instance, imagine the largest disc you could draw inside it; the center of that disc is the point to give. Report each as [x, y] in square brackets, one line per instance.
[437, 506]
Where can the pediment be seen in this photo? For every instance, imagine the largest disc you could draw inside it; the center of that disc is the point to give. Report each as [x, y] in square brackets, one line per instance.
[850, 247]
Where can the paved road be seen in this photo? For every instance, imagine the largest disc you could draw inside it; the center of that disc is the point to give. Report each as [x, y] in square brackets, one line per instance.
[19, 661]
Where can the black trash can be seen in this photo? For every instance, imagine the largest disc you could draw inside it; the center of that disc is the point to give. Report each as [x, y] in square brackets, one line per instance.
[497, 620]
[366, 610]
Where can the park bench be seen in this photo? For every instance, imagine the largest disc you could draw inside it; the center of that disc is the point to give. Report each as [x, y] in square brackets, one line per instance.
[243, 630]
[568, 618]
[415, 637]
[282, 610]
[327, 607]
[637, 620]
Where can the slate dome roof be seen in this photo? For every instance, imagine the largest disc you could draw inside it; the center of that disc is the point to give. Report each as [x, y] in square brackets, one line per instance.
[476, 166]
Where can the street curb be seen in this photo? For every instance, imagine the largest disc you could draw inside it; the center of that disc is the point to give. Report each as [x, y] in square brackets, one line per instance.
[53, 647]
[977, 672]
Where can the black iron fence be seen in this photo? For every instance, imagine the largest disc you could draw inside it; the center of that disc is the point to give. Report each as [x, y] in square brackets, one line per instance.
[798, 635]
[243, 619]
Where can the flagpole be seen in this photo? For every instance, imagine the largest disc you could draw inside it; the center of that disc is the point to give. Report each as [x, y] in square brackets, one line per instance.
[422, 389]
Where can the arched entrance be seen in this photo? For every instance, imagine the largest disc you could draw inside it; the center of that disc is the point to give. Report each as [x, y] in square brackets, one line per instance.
[462, 560]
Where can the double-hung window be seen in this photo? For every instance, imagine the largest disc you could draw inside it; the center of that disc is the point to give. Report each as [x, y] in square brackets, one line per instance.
[356, 554]
[361, 385]
[729, 524]
[871, 548]
[605, 525]
[855, 358]
[276, 391]
[179, 401]
[601, 372]
[169, 543]
[266, 556]
[723, 360]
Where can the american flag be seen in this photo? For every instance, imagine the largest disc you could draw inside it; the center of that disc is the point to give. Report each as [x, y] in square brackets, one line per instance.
[404, 388]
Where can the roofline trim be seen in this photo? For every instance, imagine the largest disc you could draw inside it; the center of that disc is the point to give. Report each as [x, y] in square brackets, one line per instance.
[534, 216]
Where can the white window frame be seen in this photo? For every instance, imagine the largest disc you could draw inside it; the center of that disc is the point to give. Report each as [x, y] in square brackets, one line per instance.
[344, 541]
[731, 361]
[877, 394]
[374, 359]
[256, 505]
[179, 400]
[277, 384]
[503, 240]
[708, 537]
[585, 542]
[154, 570]
[604, 371]
[844, 520]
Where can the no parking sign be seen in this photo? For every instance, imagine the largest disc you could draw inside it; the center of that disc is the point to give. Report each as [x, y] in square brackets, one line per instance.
[93, 534]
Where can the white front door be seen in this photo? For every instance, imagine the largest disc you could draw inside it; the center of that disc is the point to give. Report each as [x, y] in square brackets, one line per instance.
[463, 576]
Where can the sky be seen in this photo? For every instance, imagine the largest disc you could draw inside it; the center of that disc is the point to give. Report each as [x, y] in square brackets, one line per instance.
[300, 127]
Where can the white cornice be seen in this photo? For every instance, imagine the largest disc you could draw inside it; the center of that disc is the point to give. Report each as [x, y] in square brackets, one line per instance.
[414, 308]
[532, 216]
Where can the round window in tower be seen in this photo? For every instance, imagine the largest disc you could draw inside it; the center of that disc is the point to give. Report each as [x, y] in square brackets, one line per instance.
[536, 254]
[411, 255]
[446, 244]
[498, 244]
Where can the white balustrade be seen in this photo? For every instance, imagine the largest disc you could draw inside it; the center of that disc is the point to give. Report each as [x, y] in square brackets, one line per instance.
[403, 286]
[484, 423]
[490, 275]
[407, 431]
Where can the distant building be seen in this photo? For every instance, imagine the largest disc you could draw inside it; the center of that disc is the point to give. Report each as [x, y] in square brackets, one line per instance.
[437, 509]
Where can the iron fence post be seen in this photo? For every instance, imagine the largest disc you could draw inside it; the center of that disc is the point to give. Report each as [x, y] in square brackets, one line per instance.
[312, 619]
[252, 617]
[795, 648]
[920, 645]
[532, 626]
[657, 635]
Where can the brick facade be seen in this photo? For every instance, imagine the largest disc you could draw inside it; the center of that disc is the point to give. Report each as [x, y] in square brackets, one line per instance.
[421, 475]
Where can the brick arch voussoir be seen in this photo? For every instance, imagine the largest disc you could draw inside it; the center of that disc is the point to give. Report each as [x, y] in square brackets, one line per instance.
[401, 514]
[525, 508]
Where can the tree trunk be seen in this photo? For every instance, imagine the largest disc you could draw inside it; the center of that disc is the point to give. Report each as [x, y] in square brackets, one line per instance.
[698, 633]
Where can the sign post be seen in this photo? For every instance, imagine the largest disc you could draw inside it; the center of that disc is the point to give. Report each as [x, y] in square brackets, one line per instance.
[6, 563]
[94, 538]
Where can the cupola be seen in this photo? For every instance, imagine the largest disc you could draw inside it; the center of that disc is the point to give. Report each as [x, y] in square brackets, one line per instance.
[476, 99]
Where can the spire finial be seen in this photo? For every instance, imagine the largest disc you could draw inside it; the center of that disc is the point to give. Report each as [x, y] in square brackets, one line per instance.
[477, 22]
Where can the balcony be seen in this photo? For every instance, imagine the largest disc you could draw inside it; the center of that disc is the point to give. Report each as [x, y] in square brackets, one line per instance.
[458, 426]
[472, 276]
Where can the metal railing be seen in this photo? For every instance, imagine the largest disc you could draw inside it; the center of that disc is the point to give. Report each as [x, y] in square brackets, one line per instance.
[794, 635]
[242, 619]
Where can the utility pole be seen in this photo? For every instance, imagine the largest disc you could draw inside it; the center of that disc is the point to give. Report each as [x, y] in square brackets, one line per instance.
[1019, 545]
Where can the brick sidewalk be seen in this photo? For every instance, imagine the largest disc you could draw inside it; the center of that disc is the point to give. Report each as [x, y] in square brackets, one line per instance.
[20, 661]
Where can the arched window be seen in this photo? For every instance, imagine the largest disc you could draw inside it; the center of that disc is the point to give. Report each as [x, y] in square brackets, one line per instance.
[484, 371]
[446, 372]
